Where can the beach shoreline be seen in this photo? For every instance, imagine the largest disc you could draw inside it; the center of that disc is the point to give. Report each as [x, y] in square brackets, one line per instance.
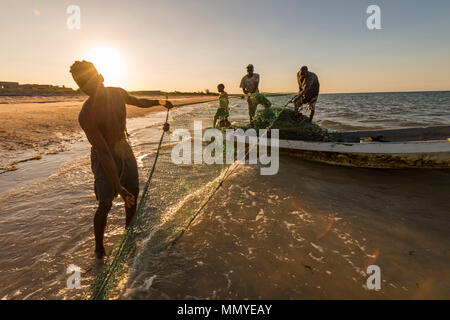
[30, 129]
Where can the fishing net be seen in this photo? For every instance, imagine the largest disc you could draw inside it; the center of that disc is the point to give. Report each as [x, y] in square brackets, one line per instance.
[115, 264]
[292, 125]
[182, 188]
[170, 201]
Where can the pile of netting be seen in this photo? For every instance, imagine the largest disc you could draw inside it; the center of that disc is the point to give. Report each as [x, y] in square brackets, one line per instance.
[292, 125]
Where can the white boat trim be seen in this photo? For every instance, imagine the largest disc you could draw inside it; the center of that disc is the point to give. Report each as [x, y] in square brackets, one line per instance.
[411, 147]
[406, 154]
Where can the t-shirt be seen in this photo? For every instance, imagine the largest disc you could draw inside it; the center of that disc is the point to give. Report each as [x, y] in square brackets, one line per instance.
[251, 84]
[223, 95]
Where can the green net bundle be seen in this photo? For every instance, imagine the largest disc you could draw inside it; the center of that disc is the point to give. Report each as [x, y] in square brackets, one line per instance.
[292, 125]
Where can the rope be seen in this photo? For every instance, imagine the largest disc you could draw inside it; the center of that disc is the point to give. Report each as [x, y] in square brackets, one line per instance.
[226, 176]
[99, 287]
[99, 290]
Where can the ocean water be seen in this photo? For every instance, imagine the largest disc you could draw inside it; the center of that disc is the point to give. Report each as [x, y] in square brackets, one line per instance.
[308, 232]
[361, 111]
[355, 111]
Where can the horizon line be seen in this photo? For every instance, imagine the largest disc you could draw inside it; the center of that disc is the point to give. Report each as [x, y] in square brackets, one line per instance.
[360, 92]
[264, 92]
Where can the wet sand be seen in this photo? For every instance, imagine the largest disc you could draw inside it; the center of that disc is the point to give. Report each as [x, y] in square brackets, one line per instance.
[309, 232]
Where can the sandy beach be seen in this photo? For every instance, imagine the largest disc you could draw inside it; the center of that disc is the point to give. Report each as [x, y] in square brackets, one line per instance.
[44, 127]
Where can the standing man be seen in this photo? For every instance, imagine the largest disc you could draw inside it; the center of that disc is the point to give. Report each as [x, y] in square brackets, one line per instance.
[309, 86]
[249, 85]
[103, 119]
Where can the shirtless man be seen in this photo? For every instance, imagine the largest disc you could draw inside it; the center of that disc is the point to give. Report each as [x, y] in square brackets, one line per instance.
[103, 119]
[309, 88]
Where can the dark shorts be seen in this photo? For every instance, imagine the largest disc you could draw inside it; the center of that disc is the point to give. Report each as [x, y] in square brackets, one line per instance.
[128, 175]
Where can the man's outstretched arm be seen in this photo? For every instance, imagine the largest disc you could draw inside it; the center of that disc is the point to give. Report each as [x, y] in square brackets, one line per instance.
[144, 103]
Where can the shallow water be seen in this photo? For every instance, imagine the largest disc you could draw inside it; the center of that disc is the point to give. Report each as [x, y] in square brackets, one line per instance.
[308, 232]
[46, 216]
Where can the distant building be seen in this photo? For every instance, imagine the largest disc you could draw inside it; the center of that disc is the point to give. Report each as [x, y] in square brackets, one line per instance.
[34, 86]
[14, 88]
[8, 85]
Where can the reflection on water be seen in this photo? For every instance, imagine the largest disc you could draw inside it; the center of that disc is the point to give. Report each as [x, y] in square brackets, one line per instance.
[308, 232]
[47, 209]
[311, 231]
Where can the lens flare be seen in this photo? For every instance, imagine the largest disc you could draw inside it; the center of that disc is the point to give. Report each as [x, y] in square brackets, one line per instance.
[109, 63]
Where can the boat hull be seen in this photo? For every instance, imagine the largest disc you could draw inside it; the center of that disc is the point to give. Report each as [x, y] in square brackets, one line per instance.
[416, 154]
[392, 161]
[402, 148]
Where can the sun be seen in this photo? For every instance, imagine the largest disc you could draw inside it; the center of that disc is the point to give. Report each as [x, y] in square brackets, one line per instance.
[109, 63]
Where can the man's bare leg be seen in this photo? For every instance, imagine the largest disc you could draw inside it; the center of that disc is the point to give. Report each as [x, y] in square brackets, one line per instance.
[99, 228]
[129, 214]
[311, 115]
[312, 109]
[131, 211]
[252, 105]
[298, 104]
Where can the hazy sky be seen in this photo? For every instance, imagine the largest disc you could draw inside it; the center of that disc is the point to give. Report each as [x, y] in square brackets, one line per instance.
[195, 44]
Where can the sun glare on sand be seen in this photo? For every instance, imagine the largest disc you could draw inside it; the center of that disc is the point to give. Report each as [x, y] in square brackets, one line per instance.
[109, 63]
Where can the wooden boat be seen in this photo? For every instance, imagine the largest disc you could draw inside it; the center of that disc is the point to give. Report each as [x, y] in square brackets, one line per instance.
[427, 147]
[399, 148]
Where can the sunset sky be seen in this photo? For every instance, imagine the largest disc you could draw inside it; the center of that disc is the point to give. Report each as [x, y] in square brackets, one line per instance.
[191, 45]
